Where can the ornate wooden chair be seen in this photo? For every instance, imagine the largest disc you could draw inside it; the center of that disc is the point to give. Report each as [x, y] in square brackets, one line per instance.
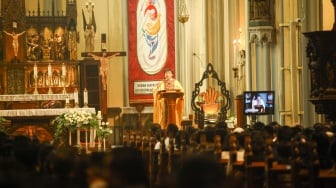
[212, 103]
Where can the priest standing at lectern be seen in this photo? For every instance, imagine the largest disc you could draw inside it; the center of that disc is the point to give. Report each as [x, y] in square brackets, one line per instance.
[160, 110]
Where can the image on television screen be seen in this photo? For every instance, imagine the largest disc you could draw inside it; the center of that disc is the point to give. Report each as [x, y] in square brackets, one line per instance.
[258, 102]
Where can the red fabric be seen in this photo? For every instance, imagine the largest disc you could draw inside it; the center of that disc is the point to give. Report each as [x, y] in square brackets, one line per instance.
[135, 72]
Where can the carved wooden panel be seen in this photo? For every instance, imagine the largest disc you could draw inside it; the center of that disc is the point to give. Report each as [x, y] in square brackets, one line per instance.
[15, 80]
[321, 51]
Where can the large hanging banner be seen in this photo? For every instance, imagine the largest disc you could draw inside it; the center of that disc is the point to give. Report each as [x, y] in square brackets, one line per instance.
[151, 45]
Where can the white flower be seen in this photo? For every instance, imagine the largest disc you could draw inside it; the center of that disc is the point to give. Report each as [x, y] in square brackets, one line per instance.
[78, 117]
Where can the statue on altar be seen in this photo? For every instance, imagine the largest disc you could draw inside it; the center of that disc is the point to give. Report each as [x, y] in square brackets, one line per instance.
[90, 27]
[72, 39]
[159, 104]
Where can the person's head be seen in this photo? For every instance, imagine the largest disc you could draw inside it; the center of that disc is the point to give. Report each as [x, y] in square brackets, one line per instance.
[152, 11]
[258, 97]
[168, 74]
[104, 54]
[200, 171]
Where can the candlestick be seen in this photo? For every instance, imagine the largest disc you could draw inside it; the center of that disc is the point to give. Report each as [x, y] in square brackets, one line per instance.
[78, 137]
[50, 81]
[35, 70]
[35, 85]
[63, 70]
[67, 102]
[70, 138]
[76, 97]
[49, 70]
[104, 144]
[86, 141]
[85, 98]
[99, 115]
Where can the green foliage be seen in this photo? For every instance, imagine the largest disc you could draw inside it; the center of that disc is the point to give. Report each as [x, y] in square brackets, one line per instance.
[103, 132]
[2, 127]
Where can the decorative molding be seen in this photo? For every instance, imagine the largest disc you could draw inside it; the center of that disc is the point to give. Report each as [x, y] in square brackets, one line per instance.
[261, 34]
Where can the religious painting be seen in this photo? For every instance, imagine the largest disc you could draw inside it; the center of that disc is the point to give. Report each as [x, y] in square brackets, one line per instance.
[151, 35]
[151, 45]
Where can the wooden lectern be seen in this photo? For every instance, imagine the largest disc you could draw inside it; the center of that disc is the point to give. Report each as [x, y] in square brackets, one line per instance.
[170, 97]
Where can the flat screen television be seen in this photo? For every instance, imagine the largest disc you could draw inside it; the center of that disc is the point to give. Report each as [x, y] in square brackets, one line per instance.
[258, 102]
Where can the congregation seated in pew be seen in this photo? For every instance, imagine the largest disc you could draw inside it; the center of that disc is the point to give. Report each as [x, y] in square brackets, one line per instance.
[292, 151]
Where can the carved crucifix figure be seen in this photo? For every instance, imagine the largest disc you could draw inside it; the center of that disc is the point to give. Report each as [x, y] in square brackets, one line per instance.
[103, 58]
[15, 41]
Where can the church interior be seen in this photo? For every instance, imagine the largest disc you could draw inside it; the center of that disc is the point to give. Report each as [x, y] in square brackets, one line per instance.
[168, 93]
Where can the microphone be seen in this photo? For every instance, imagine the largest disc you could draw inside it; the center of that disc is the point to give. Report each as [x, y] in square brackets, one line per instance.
[199, 58]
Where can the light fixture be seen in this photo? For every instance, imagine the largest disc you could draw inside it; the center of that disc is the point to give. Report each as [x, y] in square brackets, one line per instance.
[183, 12]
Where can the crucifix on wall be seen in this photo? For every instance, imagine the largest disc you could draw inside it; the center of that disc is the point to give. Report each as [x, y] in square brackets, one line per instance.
[103, 57]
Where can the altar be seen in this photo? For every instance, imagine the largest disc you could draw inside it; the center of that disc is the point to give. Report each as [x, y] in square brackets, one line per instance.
[35, 113]
[36, 101]
[32, 114]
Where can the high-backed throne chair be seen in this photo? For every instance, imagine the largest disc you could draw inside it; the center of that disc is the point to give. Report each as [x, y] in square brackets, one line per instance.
[210, 99]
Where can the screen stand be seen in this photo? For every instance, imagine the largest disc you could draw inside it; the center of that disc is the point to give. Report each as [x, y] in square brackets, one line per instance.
[253, 119]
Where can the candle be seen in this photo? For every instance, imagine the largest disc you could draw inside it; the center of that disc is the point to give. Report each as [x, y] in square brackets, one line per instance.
[35, 70]
[63, 70]
[85, 96]
[234, 53]
[67, 100]
[49, 70]
[76, 96]
[99, 114]
[78, 137]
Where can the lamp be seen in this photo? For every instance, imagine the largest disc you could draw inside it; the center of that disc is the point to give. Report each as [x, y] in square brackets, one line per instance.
[183, 12]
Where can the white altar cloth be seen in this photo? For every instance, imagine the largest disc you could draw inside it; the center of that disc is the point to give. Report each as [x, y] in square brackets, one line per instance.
[41, 112]
[38, 97]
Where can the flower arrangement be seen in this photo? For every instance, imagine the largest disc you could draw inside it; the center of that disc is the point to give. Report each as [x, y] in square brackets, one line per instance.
[103, 132]
[69, 121]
